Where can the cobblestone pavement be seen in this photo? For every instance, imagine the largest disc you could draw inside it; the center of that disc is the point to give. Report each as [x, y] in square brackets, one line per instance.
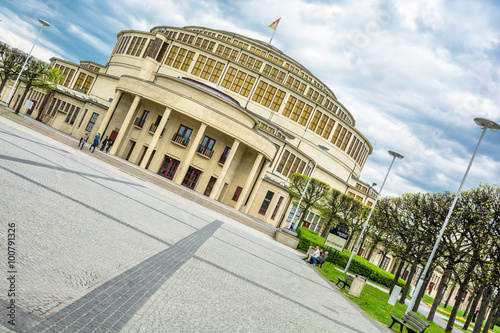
[97, 249]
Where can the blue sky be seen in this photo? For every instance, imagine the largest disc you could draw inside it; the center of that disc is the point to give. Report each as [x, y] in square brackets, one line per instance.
[414, 75]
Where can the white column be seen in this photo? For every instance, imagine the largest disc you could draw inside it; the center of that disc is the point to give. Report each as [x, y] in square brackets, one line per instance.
[257, 186]
[251, 176]
[156, 137]
[182, 169]
[110, 111]
[126, 122]
[220, 181]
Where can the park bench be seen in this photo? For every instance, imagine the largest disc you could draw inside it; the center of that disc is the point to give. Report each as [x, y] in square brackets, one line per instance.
[346, 282]
[412, 323]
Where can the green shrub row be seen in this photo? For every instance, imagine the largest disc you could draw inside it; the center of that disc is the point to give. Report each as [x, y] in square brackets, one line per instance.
[358, 265]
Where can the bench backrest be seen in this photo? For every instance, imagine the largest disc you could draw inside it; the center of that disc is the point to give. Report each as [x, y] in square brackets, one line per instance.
[415, 321]
[349, 279]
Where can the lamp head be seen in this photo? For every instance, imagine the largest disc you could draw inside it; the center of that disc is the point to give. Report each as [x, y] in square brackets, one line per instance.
[323, 147]
[486, 123]
[394, 154]
[44, 23]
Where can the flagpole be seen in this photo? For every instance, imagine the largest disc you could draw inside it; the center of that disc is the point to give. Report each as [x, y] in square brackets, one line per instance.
[273, 35]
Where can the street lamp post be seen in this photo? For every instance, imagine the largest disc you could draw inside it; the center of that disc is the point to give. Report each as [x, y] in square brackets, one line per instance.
[394, 155]
[484, 124]
[44, 24]
[368, 192]
[323, 148]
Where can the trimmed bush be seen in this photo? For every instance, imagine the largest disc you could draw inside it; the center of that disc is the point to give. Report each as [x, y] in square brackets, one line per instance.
[358, 265]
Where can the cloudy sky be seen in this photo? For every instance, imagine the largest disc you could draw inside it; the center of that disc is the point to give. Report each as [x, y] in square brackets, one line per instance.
[414, 74]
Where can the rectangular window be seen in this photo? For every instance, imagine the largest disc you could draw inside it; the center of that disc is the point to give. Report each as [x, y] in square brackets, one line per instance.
[266, 202]
[140, 121]
[169, 167]
[296, 85]
[289, 81]
[210, 186]
[342, 134]
[72, 121]
[315, 120]
[191, 178]
[274, 73]
[243, 59]
[87, 84]
[171, 55]
[187, 61]
[247, 86]
[207, 70]
[278, 99]
[328, 128]
[238, 81]
[261, 88]
[229, 77]
[346, 140]
[79, 81]
[182, 135]
[237, 193]
[219, 50]
[199, 65]
[289, 106]
[258, 65]
[233, 55]
[70, 113]
[224, 155]
[179, 58]
[322, 124]
[132, 45]
[297, 110]
[227, 52]
[288, 165]
[148, 48]
[207, 147]
[268, 96]
[217, 72]
[267, 70]
[275, 211]
[302, 88]
[281, 77]
[336, 133]
[92, 122]
[283, 160]
[304, 117]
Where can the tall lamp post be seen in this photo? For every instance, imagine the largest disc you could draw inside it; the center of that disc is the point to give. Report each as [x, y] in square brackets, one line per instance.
[394, 155]
[484, 124]
[368, 192]
[44, 24]
[323, 148]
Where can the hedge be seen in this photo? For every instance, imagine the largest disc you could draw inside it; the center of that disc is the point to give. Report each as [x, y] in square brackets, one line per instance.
[358, 265]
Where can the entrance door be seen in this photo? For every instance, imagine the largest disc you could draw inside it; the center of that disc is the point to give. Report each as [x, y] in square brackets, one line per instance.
[168, 167]
[30, 110]
[192, 176]
[210, 186]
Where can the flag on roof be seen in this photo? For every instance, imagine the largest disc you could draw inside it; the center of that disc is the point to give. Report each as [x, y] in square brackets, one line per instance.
[274, 25]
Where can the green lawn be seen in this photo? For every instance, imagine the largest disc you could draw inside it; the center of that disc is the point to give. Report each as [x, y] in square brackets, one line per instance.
[374, 301]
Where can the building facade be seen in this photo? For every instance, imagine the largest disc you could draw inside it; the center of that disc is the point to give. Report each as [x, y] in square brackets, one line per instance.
[225, 115]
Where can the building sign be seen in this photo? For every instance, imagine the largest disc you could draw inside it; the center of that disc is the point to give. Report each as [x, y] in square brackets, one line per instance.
[337, 237]
[28, 105]
[335, 242]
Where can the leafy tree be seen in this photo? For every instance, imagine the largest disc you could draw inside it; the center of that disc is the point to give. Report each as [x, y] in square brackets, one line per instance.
[38, 74]
[331, 209]
[11, 61]
[315, 192]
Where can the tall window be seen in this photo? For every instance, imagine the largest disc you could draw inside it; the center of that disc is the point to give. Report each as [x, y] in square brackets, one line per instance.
[273, 216]
[266, 202]
[139, 122]
[191, 178]
[206, 146]
[169, 167]
[237, 193]
[224, 155]
[92, 122]
[182, 135]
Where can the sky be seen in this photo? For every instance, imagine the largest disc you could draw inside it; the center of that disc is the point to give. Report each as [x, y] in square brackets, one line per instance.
[414, 74]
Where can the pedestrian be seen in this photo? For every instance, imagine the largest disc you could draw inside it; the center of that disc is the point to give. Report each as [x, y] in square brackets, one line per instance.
[104, 143]
[96, 142]
[110, 143]
[475, 315]
[83, 139]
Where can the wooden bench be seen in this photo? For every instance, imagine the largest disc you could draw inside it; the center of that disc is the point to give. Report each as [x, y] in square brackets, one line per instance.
[412, 323]
[346, 282]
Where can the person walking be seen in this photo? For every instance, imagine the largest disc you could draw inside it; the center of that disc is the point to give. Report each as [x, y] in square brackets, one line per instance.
[83, 139]
[110, 143]
[475, 315]
[104, 143]
[96, 142]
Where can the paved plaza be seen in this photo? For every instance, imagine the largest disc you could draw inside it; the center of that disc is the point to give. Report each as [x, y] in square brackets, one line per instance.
[96, 249]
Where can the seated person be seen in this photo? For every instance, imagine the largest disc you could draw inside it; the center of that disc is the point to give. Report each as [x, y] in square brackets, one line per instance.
[310, 251]
[315, 254]
[321, 259]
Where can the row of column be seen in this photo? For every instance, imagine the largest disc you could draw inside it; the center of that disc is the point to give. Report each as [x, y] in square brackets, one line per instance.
[184, 165]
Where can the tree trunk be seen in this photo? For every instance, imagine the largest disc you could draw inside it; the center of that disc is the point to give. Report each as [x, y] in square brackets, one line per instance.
[372, 247]
[408, 283]
[452, 290]
[453, 315]
[421, 293]
[474, 302]
[497, 314]
[20, 104]
[397, 275]
[492, 312]
[488, 291]
[439, 295]
[469, 304]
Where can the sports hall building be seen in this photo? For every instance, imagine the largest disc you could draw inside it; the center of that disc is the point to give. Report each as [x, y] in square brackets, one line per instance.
[225, 115]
